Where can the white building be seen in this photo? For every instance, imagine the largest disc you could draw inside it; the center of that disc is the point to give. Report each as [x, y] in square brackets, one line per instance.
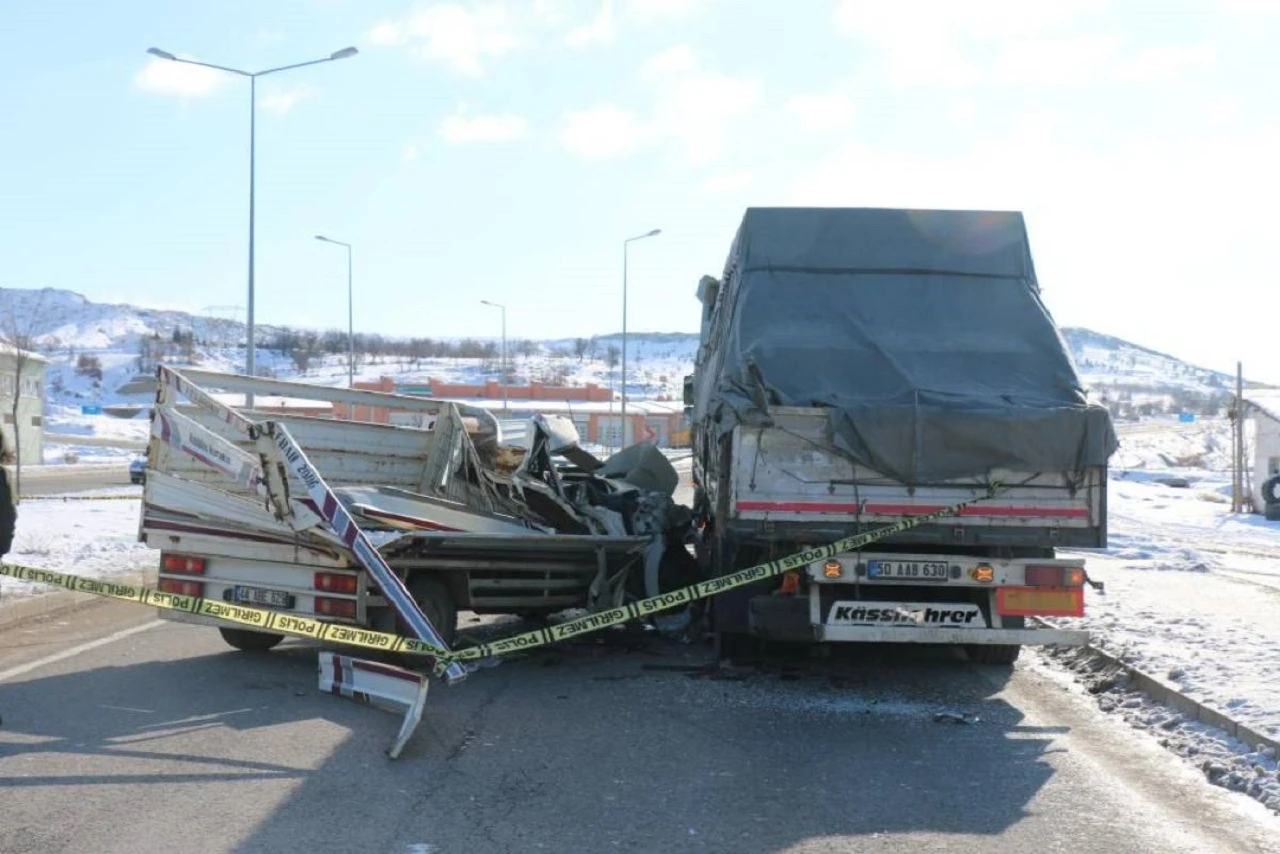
[1263, 409]
[31, 396]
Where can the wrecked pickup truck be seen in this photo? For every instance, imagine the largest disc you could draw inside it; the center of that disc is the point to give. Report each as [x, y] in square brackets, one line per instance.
[464, 520]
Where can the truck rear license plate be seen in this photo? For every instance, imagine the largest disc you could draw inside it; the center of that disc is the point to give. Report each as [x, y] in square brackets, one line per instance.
[261, 596]
[908, 570]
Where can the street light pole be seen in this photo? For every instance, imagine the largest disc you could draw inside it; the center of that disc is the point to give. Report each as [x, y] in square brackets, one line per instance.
[351, 329]
[250, 343]
[654, 233]
[503, 308]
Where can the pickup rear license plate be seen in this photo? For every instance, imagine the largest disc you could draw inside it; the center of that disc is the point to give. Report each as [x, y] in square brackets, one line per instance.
[909, 570]
[261, 596]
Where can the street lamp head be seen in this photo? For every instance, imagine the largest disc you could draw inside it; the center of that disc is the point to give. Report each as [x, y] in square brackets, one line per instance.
[163, 54]
[322, 237]
[654, 233]
[344, 53]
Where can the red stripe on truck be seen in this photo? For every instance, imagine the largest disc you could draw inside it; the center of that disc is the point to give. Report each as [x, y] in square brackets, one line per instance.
[911, 509]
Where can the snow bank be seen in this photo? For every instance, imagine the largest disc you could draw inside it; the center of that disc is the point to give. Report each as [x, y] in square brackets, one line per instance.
[93, 538]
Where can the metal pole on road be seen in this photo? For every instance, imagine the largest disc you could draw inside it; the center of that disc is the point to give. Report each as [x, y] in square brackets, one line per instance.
[250, 343]
[654, 233]
[351, 329]
[503, 308]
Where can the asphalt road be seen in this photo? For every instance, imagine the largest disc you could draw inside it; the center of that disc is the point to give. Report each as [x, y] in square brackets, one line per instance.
[55, 480]
[165, 740]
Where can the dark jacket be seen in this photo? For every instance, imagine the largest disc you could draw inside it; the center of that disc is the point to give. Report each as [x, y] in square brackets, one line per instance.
[8, 512]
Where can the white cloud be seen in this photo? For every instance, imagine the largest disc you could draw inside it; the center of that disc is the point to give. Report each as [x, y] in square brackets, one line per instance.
[602, 132]
[676, 59]
[409, 153]
[821, 112]
[598, 31]
[386, 33]
[167, 77]
[697, 112]
[280, 101]
[460, 128]
[725, 182]
[461, 38]
[663, 11]
[693, 111]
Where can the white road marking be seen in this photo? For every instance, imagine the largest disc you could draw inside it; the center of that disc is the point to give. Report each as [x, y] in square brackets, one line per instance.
[6, 675]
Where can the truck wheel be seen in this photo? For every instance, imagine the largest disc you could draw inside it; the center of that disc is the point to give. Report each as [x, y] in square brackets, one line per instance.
[736, 646]
[1271, 490]
[248, 640]
[437, 603]
[984, 653]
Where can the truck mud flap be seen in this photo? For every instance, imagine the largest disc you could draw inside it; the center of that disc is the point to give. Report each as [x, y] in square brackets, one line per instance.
[382, 685]
[780, 618]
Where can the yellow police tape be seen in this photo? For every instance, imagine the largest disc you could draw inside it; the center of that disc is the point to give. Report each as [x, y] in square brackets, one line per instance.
[318, 630]
[80, 497]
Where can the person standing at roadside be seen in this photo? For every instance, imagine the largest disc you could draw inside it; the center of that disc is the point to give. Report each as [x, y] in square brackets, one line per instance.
[8, 509]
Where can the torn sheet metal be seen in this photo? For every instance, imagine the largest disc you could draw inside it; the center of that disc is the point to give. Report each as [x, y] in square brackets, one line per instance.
[383, 685]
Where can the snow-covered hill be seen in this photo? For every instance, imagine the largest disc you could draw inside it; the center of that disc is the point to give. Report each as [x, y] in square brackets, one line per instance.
[97, 348]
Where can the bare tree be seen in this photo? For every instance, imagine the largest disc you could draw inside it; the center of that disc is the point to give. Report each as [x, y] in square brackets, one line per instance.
[580, 346]
[18, 333]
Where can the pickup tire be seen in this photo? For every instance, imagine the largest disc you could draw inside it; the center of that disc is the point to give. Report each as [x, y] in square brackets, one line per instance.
[437, 602]
[1271, 490]
[247, 640]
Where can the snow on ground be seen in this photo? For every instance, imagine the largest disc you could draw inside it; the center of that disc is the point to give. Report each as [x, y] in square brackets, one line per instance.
[1193, 593]
[85, 537]
[56, 453]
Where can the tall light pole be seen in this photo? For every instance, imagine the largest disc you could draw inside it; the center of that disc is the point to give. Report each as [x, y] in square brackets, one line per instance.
[625, 244]
[504, 348]
[351, 329]
[253, 97]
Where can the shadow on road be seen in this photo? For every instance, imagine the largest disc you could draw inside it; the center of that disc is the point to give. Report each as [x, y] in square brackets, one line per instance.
[621, 742]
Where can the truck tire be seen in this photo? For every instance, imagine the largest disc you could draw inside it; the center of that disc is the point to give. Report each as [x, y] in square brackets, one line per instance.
[983, 653]
[435, 600]
[1271, 490]
[247, 640]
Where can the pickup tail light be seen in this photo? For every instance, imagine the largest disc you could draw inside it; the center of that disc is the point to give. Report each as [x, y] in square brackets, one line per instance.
[182, 564]
[790, 584]
[343, 608]
[181, 588]
[335, 582]
[1054, 576]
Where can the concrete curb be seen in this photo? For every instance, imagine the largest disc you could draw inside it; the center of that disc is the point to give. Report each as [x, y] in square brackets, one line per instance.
[1170, 695]
[14, 610]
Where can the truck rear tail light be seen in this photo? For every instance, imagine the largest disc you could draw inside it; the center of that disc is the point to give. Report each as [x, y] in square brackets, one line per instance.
[983, 573]
[344, 608]
[832, 569]
[334, 582]
[1040, 601]
[790, 584]
[1055, 576]
[182, 588]
[182, 564]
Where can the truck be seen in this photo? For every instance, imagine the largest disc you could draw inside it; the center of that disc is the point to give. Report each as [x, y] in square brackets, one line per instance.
[464, 519]
[858, 366]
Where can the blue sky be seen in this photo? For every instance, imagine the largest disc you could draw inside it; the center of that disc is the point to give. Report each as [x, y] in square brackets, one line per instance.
[503, 151]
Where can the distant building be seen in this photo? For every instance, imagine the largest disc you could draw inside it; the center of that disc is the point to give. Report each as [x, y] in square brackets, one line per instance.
[1263, 407]
[31, 398]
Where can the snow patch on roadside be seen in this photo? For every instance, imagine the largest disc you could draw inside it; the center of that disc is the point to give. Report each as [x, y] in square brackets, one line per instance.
[92, 538]
[1250, 769]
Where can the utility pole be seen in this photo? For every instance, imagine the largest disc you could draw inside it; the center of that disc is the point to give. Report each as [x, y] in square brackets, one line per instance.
[1238, 442]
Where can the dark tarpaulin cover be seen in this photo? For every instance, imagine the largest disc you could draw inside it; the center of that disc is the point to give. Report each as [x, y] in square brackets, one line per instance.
[922, 333]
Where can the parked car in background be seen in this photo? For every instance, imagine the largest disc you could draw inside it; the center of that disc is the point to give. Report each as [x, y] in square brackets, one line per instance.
[138, 469]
